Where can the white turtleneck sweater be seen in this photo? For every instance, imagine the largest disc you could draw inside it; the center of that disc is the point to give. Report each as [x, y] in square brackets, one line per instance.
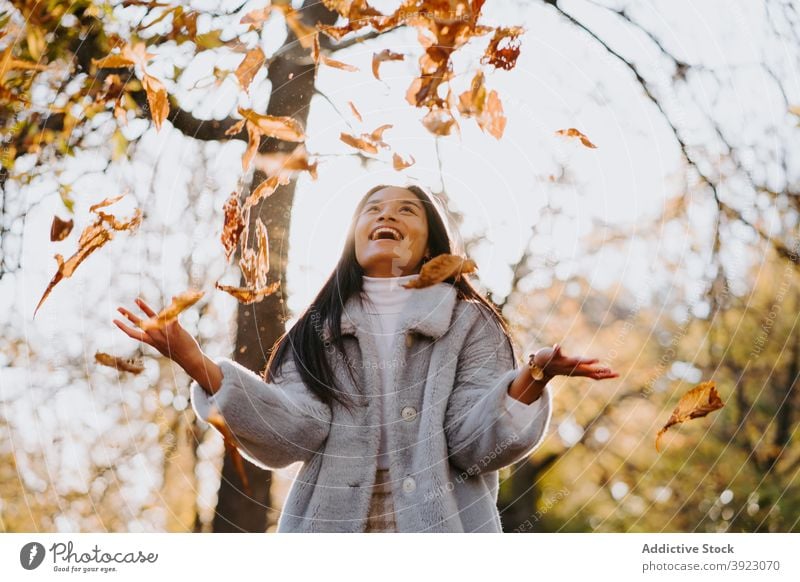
[388, 297]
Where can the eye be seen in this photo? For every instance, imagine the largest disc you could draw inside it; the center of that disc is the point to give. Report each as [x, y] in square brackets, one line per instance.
[411, 208]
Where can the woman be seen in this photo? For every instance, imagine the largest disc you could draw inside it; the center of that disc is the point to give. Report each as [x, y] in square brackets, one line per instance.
[401, 403]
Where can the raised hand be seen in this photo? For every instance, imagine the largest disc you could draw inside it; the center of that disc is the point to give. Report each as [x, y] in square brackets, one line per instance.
[555, 363]
[172, 340]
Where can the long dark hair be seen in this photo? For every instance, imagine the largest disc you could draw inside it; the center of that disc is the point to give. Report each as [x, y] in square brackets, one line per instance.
[305, 341]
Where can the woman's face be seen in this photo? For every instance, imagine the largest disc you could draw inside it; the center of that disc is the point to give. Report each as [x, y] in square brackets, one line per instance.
[391, 233]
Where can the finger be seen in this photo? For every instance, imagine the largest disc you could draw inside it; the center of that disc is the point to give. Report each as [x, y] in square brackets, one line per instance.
[145, 307]
[134, 333]
[133, 319]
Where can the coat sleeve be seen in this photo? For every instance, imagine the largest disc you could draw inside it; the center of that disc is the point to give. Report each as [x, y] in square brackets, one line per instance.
[481, 434]
[275, 424]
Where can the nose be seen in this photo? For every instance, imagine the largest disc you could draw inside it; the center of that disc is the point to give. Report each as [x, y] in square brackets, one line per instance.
[386, 213]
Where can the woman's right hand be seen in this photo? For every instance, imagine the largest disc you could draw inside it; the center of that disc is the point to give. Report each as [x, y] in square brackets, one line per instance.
[172, 340]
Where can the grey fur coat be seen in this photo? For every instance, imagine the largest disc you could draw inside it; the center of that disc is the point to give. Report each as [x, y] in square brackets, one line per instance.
[448, 428]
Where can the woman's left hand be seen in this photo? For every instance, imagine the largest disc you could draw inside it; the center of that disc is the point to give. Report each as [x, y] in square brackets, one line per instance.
[554, 362]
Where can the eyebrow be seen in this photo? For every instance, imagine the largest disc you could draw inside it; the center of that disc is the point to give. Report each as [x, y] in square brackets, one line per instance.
[410, 200]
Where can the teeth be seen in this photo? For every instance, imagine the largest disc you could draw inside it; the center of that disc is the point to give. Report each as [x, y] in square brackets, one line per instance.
[395, 233]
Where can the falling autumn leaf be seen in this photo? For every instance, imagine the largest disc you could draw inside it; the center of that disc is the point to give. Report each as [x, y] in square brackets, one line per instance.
[696, 403]
[249, 66]
[355, 111]
[383, 56]
[233, 226]
[400, 164]
[285, 128]
[92, 238]
[156, 99]
[572, 132]
[286, 164]
[125, 365]
[255, 265]
[505, 57]
[264, 190]
[441, 268]
[319, 57]
[170, 313]
[486, 108]
[367, 142]
[246, 295]
[216, 420]
[439, 122]
[60, 229]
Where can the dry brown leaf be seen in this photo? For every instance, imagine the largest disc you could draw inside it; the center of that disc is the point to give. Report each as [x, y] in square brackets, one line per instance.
[400, 164]
[384, 55]
[696, 403]
[265, 189]
[487, 109]
[255, 265]
[257, 16]
[367, 142]
[286, 164]
[355, 111]
[233, 226]
[216, 420]
[325, 60]
[156, 99]
[359, 143]
[572, 132]
[441, 268]
[439, 122]
[60, 229]
[506, 57]
[249, 66]
[171, 312]
[285, 128]
[92, 238]
[124, 365]
[246, 295]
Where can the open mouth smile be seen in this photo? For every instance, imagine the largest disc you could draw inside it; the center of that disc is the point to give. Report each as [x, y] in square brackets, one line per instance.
[386, 233]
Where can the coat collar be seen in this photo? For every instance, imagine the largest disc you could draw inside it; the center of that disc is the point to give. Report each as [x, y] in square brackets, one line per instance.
[428, 311]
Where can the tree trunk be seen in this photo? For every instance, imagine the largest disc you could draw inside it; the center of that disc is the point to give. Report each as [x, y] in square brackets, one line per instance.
[260, 324]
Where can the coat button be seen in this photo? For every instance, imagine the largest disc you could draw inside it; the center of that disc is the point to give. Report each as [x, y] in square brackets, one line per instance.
[409, 339]
[409, 485]
[409, 413]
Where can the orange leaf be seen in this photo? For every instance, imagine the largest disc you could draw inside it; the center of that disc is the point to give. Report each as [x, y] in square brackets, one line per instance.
[255, 266]
[124, 365]
[92, 238]
[60, 229]
[246, 295]
[696, 403]
[233, 226]
[503, 58]
[384, 55]
[286, 164]
[264, 190]
[400, 164]
[170, 313]
[337, 64]
[156, 99]
[367, 142]
[441, 268]
[355, 111]
[572, 132]
[249, 66]
[285, 128]
[359, 143]
[216, 420]
[439, 122]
